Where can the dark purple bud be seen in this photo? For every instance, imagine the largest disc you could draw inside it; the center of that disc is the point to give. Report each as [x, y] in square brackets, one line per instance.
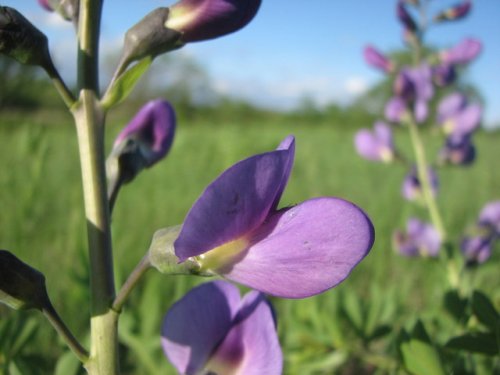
[405, 17]
[404, 86]
[463, 53]
[199, 20]
[144, 141]
[444, 74]
[21, 40]
[150, 37]
[420, 239]
[376, 59]
[458, 150]
[455, 12]
[21, 286]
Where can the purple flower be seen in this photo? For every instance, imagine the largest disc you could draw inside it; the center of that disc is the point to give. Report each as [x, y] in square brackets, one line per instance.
[457, 117]
[463, 53]
[46, 5]
[412, 189]
[412, 87]
[212, 330]
[376, 59]
[151, 130]
[420, 239]
[458, 150]
[489, 217]
[444, 74]
[455, 12]
[405, 17]
[235, 230]
[476, 249]
[206, 19]
[377, 145]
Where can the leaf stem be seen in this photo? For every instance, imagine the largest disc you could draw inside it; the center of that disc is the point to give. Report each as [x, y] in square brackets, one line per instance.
[139, 271]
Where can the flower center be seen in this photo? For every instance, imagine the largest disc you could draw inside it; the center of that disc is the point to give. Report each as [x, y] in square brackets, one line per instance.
[222, 255]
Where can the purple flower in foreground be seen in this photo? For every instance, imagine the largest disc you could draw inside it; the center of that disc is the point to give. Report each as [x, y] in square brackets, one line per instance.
[206, 19]
[458, 150]
[412, 88]
[476, 249]
[420, 239]
[377, 145]
[211, 330]
[376, 59]
[235, 230]
[412, 189]
[463, 53]
[489, 217]
[457, 116]
[455, 12]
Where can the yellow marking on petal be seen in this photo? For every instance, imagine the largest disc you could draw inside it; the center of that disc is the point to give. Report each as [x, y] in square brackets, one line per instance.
[386, 155]
[222, 255]
[448, 126]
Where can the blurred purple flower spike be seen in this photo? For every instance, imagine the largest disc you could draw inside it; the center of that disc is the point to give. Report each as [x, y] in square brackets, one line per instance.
[476, 249]
[199, 20]
[152, 129]
[377, 60]
[458, 150]
[212, 330]
[412, 190]
[377, 145]
[463, 53]
[455, 12]
[489, 217]
[457, 117]
[46, 5]
[235, 230]
[412, 88]
[420, 239]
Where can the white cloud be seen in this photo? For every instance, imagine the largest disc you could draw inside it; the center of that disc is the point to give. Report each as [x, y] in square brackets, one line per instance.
[356, 86]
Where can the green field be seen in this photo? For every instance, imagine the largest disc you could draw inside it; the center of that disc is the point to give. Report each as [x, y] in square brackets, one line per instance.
[42, 222]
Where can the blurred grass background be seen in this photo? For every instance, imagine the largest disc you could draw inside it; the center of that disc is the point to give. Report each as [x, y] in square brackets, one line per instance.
[43, 223]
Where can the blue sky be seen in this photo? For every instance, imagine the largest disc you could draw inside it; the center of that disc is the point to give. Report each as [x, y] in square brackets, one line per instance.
[295, 48]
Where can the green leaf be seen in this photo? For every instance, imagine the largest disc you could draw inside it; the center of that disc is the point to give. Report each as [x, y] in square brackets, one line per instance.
[455, 305]
[485, 311]
[123, 85]
[67, 364]
[354, 311]
[477, 342]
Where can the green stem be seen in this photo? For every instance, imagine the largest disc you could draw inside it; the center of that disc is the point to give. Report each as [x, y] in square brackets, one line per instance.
[139, 271]
[64, 332]
[65, 93]
[89, 118]
[423, 176]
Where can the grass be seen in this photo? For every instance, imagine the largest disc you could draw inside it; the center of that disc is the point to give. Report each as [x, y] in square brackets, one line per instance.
[42, 222]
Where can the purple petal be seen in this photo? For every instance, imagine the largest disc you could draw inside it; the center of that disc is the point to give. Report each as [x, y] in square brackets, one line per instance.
[468, 120]
[304, 250]
[251, 347]
[476, 249]
[421, 110]
[462, 53]
[288, 144]
[395, 109]
[367, 145]
[195, 325]
[153, 127]
[420, 239]
[374, 58]
[206, 19]
[490, 215]
[450, 105]
[46, 5]
[235, 204]
[384, 133]
[458, 150]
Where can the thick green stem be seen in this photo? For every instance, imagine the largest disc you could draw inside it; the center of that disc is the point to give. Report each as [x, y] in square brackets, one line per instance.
[89, 118]
[423, 176]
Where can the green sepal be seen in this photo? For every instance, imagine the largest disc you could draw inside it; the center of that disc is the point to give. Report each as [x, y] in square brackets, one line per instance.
[21, 286]
[162, 255]
[120, 89]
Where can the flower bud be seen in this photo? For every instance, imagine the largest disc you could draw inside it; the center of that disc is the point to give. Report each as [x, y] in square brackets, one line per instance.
[207, 19]
[21, 286]
[150, 37]
[143, 142]
[21, 40]
[46, 5]
[455, 12]
[405, 17]
[444, 74]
